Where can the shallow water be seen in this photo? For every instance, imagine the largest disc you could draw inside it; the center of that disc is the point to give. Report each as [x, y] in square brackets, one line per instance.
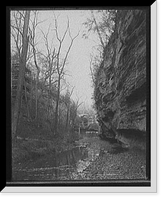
[78, 163]
[53, 166]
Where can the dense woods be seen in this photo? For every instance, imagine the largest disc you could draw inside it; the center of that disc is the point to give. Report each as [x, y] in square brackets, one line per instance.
[38, 78]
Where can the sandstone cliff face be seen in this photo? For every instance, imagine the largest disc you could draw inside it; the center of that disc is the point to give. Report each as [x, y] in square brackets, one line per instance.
[120, 88]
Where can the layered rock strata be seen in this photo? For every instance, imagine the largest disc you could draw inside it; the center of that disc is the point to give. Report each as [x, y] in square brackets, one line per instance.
[120, 87]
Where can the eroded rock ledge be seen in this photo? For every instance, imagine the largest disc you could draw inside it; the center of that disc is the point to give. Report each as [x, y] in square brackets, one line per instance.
[120, 88]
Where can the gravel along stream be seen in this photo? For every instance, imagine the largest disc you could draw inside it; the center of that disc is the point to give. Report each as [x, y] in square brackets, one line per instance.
[90, 159]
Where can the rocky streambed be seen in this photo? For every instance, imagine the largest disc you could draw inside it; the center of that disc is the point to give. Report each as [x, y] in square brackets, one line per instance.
[90, 158]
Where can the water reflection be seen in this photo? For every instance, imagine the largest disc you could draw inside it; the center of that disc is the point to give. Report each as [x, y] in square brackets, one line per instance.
[60, 166]
[71, 159]
[53, 167]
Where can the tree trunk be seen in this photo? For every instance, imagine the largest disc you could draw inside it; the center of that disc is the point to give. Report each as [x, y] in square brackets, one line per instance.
[98, 31]
[36, 97]
[66, 125]
[27, 101]
[16, 109]
[68, 117]
[49, 91]
[57, 107]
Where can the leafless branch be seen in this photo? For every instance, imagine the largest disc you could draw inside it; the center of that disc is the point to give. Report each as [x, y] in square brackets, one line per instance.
[21, 14]
[97, 29]
[90, 66]
[68, 50]
[61, 89]
[45, 36]
[56, 30]
[72, 91]
[18, 29]
[17, 44]
[78, 105]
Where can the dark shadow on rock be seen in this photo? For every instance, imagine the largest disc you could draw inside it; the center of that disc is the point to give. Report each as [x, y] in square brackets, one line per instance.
[131, 133]
[118, 149]
[111, 140]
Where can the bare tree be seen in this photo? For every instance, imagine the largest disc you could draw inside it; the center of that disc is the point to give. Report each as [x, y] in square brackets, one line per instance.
[33, 43]
[17, 19]
[102, 23]
[91, 70]
[17, 22]
[60, 66]
[23, 56]
[50, 63]
[97, 29]
[73, 111]
[68, 106]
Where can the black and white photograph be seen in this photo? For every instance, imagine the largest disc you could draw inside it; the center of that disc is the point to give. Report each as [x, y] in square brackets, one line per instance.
[80, 96]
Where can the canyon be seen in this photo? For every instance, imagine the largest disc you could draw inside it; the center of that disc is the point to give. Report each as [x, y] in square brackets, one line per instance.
[121, 86]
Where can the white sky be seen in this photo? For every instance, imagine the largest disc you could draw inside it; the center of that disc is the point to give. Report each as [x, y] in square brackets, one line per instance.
[79, 57]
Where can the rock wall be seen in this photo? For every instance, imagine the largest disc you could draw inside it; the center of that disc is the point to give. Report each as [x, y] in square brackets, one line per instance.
[120, 87]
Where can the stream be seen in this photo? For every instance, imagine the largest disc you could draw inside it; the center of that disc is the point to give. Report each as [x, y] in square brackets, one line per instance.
[59, 166]
[90, 158]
